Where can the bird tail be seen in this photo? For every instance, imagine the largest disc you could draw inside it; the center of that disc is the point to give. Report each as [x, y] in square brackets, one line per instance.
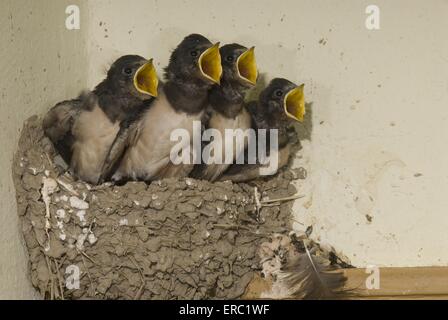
[298, 273]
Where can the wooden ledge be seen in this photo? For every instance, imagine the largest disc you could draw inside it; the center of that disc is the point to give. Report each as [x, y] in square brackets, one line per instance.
[395, 283]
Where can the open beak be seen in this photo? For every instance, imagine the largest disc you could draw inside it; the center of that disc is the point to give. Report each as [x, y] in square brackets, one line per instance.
[294, 103]
[210, 64]
[145, 79]
[247, 66]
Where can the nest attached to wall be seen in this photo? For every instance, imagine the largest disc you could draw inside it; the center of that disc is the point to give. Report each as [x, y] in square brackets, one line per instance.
[171, 239]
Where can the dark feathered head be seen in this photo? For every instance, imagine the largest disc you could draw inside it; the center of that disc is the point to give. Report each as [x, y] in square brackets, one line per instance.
[195, 60]
[133, 74]
[239, 65]
[284, 99]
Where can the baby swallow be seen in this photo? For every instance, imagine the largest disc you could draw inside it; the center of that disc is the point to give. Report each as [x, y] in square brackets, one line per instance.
[83, 129]
[194, 66]
[279, 103]
[226, 104]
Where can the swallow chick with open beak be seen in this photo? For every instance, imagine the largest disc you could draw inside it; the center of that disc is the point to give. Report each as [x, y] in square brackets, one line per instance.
[83, 129]
[279, 103]
[194, 66]
[226, 105]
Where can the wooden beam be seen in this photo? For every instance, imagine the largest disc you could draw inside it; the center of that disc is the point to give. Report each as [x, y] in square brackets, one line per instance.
[418, 281]
[395, 283]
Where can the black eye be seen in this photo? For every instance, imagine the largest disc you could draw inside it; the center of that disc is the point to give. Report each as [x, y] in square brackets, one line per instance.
[229, 58]
[127, 71]
[194, 53]
[279, 93]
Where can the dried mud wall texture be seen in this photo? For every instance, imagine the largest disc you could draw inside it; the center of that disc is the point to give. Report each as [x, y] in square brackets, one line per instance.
[172, 239]
[42, 63]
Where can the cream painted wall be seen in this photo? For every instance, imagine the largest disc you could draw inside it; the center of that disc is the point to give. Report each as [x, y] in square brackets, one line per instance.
[41, 63]
[379, 101]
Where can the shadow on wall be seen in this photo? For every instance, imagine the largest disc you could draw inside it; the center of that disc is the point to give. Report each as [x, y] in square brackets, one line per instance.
[304, 130]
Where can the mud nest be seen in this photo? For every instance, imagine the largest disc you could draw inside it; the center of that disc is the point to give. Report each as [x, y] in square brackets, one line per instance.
[171, 239]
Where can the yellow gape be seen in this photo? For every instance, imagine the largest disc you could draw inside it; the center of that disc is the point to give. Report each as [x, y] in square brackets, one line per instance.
[210, 64]
[145, 79]
[247, 66]
[294, 103]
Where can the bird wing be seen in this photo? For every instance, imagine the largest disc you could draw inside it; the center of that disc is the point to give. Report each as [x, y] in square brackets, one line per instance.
[126, 136]
[58, 123]
[212, 171]
[170, 170]
[247, 172]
